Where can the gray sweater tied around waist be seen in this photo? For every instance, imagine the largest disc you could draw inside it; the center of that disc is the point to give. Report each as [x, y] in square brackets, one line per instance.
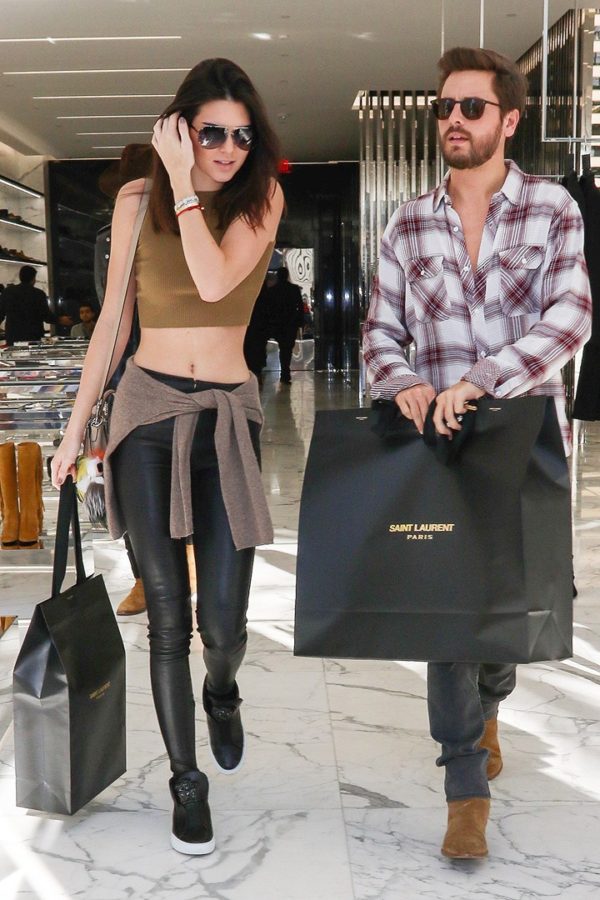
[142, 400]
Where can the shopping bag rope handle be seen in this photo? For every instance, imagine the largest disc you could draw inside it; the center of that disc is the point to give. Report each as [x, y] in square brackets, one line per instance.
[68, 519]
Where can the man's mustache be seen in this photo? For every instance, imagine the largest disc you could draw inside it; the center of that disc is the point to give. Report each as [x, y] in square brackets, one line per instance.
[457, 130]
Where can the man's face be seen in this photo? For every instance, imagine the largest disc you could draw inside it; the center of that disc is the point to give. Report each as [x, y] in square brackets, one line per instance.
[86, 313]
[468, 143]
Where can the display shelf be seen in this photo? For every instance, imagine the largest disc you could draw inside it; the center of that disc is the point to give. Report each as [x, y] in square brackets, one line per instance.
[64, 237]
[26, 225]
[17, 186]
[38, 385]
[6, 258]
[79, 212]
[20, 236]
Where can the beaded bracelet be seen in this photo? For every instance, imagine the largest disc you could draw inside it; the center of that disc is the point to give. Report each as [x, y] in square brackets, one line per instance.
[192, 200]
[187, 209]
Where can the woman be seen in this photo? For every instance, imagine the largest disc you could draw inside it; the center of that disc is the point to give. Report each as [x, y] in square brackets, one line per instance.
[184, 443]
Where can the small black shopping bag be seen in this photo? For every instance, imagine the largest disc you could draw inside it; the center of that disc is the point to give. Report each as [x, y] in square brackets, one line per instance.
[409, 553]
[69, 687]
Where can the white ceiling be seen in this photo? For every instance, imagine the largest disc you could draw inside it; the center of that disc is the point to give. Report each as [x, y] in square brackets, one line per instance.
[321, 53]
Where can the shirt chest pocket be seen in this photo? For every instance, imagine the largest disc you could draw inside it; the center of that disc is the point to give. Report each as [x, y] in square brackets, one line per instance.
[519, 272]
[426, 288]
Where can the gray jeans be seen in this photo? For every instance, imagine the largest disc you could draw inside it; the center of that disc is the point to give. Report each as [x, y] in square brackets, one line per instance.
[460, 697]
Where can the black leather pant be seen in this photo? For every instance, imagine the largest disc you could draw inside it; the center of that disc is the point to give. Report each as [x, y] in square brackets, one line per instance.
[142, 475]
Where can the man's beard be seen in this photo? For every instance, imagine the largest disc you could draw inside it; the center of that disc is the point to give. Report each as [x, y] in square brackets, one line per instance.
[477, 153]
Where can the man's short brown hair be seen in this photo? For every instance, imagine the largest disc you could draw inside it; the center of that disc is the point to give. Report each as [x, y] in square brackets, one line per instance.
[509, 83]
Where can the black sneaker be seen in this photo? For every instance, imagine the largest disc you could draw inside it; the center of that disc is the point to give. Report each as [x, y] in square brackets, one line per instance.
[225, 731]
[192, 828]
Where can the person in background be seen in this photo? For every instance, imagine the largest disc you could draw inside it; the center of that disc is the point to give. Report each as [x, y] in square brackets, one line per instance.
[25, 308]
[85, 327]
[485, 276]
[184, 455]
[135, 163]
[257, 335]
[286, 318]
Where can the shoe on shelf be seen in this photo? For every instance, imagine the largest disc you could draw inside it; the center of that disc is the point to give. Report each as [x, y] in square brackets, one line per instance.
[490, 742]
[225, 730]
[134, 602]
[465, 837]
[192, 831]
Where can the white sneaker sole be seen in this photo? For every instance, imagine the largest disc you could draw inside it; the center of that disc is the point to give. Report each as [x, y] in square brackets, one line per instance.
[220, 768]
[192, 849]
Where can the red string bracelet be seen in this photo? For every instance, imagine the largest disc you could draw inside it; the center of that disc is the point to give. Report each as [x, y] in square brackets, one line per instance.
[187, 209]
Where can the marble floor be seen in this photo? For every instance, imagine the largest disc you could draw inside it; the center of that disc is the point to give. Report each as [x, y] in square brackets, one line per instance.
[339, 798]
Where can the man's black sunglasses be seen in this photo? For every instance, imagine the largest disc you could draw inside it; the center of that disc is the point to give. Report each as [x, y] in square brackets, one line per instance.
[213, 136]
[471, 107]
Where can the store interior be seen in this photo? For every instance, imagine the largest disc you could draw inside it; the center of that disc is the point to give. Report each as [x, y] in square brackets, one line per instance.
[340, 798]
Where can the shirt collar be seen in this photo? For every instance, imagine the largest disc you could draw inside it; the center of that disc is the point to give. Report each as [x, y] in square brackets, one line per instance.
[511, 188]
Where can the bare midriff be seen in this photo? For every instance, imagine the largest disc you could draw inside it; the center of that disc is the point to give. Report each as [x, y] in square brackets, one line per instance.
[206, 354]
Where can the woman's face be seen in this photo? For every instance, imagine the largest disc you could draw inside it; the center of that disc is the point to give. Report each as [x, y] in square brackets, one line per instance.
[218, 166]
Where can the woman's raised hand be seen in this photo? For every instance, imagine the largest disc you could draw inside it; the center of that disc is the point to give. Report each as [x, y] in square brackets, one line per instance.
[171, 140]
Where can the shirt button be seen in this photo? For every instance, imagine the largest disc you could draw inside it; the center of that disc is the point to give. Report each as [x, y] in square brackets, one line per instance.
[483, 354]
[524, 260]
[422, 271]
[455, 228]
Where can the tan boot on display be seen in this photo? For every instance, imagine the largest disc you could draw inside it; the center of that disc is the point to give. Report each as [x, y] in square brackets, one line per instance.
[465, 837]
[31, 507]
[490, 742]
[9, 497]
[134, 602]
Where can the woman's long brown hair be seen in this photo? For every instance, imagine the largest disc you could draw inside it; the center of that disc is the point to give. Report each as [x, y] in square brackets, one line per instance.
[247, 195]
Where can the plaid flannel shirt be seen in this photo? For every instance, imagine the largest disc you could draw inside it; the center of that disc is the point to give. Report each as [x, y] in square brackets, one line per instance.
[510, 326]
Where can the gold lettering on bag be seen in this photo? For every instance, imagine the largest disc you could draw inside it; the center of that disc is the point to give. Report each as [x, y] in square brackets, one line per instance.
[100, 692]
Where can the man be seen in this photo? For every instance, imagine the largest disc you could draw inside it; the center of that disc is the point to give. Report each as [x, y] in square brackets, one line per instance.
[257, 334]
[25, 309]
[286, 316]
[486, 276]
[135, 162]
[85, 327]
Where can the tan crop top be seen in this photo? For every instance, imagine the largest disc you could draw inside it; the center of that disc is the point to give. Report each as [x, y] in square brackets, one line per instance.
[166, 294]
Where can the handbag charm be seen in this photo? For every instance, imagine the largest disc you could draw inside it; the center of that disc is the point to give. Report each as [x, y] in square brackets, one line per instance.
[90, 464]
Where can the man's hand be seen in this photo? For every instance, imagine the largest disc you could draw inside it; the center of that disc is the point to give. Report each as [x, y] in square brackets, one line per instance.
[414, 402]
[452, 403]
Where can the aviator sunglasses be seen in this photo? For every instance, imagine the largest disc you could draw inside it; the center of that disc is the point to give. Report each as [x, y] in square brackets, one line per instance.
[471, 107]
[212, 136]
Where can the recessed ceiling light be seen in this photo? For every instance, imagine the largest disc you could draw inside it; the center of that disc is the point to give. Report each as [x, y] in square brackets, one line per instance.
[108, 133]
[61, 40]
[262, 36]
[92, 71]
[120, 116]
[100, 96]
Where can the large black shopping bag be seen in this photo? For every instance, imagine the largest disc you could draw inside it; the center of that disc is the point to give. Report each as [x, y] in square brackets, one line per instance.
[69, 687]
[408, 553]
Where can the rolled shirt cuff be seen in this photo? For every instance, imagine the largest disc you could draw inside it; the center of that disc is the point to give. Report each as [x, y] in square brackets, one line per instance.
[484, 374]
[391, 388]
